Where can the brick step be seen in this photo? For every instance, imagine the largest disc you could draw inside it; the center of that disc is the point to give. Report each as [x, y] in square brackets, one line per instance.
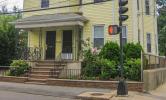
[49, 65]
[40, 72]
[42, 69]
[36, 76]
[46, 68]
[51, 62]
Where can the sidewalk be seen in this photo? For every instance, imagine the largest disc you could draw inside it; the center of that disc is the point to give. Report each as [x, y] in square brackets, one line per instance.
[158, 94]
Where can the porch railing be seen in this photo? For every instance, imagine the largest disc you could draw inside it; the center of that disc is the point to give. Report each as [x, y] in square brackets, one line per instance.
[29, 53]
[153, 61]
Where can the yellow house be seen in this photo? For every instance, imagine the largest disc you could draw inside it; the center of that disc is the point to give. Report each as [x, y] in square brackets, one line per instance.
[56, 27]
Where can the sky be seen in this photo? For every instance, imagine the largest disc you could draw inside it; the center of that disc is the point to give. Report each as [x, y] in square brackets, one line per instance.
[11, 3]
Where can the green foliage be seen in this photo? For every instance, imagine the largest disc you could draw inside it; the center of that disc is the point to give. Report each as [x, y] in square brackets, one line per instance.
[94, 66]
[162, 28]
[132, 50]
[162, 41]
[105, 64]
[132, 69]
[108, 69]
[111, 51]
[19, 67]
[8, 39]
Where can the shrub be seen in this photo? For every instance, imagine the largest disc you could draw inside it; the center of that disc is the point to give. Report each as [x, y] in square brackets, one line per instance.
[108, 69]
[18, 67]
[132, 50]
[102, 68]
[132, 69]
[110, 51]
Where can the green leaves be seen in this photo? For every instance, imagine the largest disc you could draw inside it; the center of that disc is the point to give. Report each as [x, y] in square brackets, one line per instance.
[111, 51]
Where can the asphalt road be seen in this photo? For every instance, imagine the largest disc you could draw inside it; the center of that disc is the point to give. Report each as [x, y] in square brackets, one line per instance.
[17, 91]
[6, 95]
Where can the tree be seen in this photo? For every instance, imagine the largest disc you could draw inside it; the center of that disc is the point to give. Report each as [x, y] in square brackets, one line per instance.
[161, 2]
[10, 38]
[162, 26]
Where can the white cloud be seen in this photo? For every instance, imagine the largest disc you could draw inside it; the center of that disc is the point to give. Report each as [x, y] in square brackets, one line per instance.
[11, 3]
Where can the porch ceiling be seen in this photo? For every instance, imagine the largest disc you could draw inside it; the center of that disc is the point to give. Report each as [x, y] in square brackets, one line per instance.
[50, 21]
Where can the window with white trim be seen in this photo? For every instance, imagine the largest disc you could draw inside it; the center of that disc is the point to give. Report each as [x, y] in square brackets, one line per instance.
[44, 3]
[148, 42]
[147, 7]
[98, 36]
[124, 35]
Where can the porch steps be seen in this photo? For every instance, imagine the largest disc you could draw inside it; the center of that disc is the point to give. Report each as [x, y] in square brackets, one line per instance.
[44, 70]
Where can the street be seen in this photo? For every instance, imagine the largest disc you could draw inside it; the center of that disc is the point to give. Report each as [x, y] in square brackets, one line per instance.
[17, 91]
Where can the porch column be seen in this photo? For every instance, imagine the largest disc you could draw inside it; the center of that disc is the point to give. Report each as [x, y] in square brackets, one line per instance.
[40, 43]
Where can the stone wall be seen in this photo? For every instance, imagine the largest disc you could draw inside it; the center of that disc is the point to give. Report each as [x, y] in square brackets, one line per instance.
[13, 79]
[154, 78]
[132, 86]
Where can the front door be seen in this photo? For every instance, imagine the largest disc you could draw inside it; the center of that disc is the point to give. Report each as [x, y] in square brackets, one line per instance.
[50, 42]
[67, 44]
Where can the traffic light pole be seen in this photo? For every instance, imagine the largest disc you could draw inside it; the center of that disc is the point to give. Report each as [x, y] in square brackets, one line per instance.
[122, 86]
[121, 51]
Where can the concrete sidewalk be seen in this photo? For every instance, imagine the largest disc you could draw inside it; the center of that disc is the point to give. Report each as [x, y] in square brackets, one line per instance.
[158, 94]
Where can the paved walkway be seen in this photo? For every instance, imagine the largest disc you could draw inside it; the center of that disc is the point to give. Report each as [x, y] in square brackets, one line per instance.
[158, 94]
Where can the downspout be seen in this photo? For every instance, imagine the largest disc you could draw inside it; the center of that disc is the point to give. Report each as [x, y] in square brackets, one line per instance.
[142, 22]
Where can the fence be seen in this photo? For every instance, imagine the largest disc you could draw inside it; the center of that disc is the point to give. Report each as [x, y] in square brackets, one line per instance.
[153, 62]
[4, 69]
[10, 71]
[80, 74]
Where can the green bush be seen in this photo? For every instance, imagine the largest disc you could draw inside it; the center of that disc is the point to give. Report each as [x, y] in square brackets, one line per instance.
[108, 69]
[132, 50]
[132, 69]
[111, 51]
[93, 66]
[18, 68]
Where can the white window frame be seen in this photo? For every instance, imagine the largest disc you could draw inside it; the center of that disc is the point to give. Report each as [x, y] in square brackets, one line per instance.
[93, 35]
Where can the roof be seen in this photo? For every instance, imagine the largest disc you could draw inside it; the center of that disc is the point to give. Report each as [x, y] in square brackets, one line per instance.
[50, 20]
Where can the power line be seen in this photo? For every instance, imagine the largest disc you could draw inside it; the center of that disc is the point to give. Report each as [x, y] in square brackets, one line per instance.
[67, 6]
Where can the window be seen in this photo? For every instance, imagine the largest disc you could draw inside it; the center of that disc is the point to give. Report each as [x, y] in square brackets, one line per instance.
[147, 7]
[148, 42]
[98, 36]
[44, 3]
[124, 35]
[137, 4]
[96, 1]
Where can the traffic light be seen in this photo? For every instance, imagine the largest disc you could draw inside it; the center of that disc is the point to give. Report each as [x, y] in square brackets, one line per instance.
[113, 29]
[123, 10]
